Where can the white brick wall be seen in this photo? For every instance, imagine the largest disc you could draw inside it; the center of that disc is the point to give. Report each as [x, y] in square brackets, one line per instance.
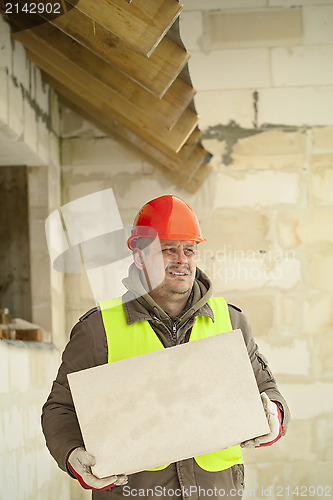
[230, 69]
[297, 106]
[317, 24]
[275, 189]
[302, 66]
[27, 369]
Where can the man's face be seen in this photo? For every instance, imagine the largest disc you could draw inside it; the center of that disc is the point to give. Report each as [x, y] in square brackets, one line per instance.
[170, 267]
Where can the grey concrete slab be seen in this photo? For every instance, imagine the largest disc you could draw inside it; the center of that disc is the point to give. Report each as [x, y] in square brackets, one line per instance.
[168, 405]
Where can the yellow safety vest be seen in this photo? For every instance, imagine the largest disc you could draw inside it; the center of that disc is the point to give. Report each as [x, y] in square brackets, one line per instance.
[126, 341]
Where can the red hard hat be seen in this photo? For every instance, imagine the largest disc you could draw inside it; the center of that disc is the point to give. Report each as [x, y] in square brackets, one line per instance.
[170, 217]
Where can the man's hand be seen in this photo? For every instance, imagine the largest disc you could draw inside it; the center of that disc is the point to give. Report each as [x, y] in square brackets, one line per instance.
[80, 463]
[274, 417]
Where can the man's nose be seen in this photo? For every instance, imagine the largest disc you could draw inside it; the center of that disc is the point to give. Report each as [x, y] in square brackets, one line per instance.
[180, 256]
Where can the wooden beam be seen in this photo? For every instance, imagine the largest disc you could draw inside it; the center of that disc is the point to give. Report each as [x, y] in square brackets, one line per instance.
[167, 141]
[141, 25]
[155, 74]
[128, 139]
[74, 59]
[116, 104]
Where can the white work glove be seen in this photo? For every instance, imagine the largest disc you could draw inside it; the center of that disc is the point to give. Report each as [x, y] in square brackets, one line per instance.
[274, 417]
[80, 463]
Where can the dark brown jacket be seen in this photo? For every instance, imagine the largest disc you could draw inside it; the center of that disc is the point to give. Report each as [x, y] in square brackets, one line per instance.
[88, 347]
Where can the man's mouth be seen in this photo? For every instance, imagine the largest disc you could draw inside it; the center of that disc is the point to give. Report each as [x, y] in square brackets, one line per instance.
[178, 273]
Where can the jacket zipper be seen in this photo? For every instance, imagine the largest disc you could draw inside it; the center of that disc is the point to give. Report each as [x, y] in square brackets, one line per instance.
[170, 333]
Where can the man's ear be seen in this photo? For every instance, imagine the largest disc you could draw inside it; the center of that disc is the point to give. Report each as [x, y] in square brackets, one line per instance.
[138, 258]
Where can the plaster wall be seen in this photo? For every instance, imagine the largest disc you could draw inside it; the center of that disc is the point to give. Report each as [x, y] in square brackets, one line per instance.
[266, 107]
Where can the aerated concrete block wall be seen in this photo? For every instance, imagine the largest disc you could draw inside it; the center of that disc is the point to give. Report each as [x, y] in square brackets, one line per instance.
[264, 74]
[29, 136]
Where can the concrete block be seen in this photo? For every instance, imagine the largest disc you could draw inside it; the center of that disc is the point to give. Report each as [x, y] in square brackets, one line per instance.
[253, 273]
[322, 271]
[315, 394]
[72, 124]
[19, 370]
[54, 111]
[258, 310]
[230, 69]
[322, 140]
[317, 314]
[324, 437]
[12, 419]
[106, 151]
[4, 26]
[54, 150]
[264, 188]
[41, 90]
[37, 178]
[221, 4]
[30, 126]
[133, 193]
[325, 358]
[297, 106]
[200, 397]
[285, 274]
[230, 275]
[40, 283]
[217, 148]
[191, 30]
[21, 65]
[238, 230]
[321, 182]
[290, 357]
[3, 103]
[318, 25]
[287, 228]
[288, 311]
[317, 227]
[5, 53]
[224, 106]
[253, 28]
[270, 150]
[16, 108]
[273, 143]
[322, 161]
[17, 153]
[4, 369]
[42, 140]
[290, 66]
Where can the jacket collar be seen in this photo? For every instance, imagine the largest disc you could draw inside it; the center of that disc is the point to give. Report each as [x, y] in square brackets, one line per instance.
[139, 306]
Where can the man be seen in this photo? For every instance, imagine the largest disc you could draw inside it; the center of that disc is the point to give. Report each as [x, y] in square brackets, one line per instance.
[168, 298]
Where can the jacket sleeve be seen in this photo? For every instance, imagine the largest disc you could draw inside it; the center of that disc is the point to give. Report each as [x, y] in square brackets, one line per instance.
[264, 377]
[59, 422]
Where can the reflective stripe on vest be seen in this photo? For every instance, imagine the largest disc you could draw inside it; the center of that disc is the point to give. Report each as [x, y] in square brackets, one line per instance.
[126, 341]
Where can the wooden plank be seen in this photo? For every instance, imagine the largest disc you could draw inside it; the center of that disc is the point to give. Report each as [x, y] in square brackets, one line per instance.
[74, 59]
[167, 141]
[142, 24]
[146, 151]
[155, 74]
[117, 104]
